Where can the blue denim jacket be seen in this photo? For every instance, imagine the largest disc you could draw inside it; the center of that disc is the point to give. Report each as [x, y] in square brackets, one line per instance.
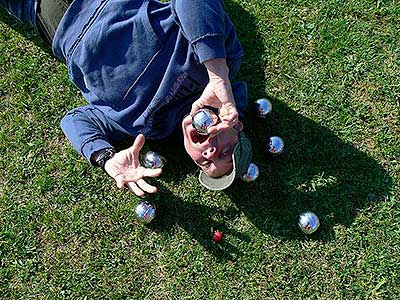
[138, 63]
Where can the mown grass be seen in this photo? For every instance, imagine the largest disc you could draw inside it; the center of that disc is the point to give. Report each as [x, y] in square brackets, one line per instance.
[331, 69]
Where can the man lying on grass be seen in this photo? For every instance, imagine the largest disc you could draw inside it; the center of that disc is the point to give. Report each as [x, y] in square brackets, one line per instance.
[145, 67]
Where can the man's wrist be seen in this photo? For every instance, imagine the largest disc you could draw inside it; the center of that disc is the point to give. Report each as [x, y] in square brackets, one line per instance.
[217, 69]
[99, 158]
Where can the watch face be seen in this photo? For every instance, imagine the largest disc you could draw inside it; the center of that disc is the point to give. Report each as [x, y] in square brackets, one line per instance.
[109, 153]
[104, 156]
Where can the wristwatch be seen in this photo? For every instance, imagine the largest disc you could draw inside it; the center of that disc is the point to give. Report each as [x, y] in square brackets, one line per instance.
[100, 157]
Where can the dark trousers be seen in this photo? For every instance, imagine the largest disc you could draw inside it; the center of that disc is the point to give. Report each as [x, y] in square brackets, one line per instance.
[49, 14]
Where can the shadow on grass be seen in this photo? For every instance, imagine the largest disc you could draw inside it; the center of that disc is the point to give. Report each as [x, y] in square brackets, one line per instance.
[26, 30]
[317, 171]
[196, 219]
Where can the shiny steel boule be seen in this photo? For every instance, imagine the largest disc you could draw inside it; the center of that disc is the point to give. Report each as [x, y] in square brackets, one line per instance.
[203, 119]
[153, 160]
[251, 174]
[145, 212]
[263, 107]
[308, 222]
[275, 145]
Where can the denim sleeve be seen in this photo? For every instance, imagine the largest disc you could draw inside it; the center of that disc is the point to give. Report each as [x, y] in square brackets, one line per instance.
[203, 23]
[89, 130]
[23, 10]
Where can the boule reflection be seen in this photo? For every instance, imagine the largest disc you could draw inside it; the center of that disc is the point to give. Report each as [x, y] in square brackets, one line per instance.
[308, 222]
[153, 160]
[275, 145]
[263, 107]
[145, 212]
[251, 174]
[203, 119]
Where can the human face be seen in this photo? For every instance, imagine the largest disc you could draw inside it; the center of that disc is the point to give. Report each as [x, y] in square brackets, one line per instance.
[212, 154]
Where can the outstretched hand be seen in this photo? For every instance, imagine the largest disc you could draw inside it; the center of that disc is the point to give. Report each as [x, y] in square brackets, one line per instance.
[218, 93]
[127, 171]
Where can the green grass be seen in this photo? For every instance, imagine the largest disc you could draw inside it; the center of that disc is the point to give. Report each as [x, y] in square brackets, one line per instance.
[331, 69]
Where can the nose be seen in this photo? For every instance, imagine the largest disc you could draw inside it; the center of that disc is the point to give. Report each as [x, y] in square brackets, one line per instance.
[210, 152]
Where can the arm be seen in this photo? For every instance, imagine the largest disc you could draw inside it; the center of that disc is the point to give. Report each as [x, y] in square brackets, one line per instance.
[204, 25]
[218, 93]
[87, 131]
[90, 132]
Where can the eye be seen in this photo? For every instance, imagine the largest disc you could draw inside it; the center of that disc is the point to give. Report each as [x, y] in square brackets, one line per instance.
[227, 152]
[206, 164]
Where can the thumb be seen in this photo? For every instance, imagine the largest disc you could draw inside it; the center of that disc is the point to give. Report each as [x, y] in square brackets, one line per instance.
[137, 144]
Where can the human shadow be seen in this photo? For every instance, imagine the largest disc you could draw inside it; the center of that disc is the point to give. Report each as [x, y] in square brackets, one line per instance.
[188, 211]
[198, 220]
[317, 172]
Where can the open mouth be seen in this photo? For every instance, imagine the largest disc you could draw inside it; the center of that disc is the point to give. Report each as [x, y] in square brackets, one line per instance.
[198, 138]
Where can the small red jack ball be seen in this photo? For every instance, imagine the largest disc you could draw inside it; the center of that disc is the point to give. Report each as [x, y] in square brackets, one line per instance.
[217, 236]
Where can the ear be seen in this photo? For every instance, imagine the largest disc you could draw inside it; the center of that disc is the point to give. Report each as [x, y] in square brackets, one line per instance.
[238, 126]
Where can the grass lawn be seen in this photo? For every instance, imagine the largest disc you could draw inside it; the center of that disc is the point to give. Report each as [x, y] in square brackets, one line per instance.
[332, 71]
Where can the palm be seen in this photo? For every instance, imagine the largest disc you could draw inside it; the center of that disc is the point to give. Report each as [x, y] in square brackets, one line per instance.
[127, 171]
[126, 166]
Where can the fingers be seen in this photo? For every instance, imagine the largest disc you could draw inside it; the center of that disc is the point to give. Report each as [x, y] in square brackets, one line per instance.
[133, 187]
[146, 187]
[207, 98]
[142, 172]
[136, 184]
[152, 172]
[216, 129]
[140, 188]
[228, 112]
[120, 182]
[229, 115]
[228, 120]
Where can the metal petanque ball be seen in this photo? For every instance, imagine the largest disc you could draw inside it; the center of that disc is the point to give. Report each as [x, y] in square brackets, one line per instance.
[275, 145]
[153, 160]
[145, 212]
[308, 222]
[263, 107]
[251, 174]
[203, 119]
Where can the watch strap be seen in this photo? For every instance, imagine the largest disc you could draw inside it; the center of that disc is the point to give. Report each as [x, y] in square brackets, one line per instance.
[101, 156]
